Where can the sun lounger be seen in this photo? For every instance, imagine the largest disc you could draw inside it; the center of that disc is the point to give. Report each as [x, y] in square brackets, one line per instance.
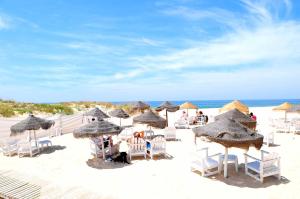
[9, 147]
[267, 165]
[181, 124]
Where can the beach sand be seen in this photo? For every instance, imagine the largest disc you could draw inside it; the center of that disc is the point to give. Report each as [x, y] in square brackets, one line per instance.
[63, 172]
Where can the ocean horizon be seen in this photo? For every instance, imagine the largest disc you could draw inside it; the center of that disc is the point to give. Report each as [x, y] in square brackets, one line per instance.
[220, 103]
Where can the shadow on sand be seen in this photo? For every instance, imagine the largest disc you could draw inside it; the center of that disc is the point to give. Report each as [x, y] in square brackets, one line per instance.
[240, 179]
[51, 149]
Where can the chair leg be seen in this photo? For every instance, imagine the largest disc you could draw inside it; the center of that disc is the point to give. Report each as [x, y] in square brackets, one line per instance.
[261, 178]
[236, 165]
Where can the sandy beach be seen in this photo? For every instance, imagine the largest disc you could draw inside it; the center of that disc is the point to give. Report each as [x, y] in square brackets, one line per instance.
[63, 172]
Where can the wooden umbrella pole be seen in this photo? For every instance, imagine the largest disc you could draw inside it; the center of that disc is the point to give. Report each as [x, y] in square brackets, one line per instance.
[36, 141]
[167, 118]
[225, 162]
[120, 121]
[103, 150]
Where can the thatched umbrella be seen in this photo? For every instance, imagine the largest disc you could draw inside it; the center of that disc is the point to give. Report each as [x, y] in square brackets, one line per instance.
[119, 113]
[169, 107]
[283, 107]
[140, 106]
[236, 104]
[294, 109]
[238, 116]
[151, 119]
[230, 133]
[29, 124]
[96, 112]
[96, 129]
[187, 106]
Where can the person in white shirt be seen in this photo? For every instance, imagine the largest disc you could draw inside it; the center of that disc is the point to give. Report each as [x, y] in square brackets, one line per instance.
[123, 149]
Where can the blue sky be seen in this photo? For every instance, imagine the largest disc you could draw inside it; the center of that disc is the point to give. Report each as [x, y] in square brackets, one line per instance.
[128, 50]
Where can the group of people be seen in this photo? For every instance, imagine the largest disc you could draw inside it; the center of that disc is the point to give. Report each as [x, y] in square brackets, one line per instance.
[199, 118]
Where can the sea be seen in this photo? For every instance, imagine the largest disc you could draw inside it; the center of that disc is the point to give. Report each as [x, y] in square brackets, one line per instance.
[220, 103]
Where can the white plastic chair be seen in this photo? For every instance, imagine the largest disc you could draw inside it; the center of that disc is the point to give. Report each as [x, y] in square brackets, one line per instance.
[137, 147]
[205, 163]
[157, 146]
[267, 165]
[9, 147]
[170, 133]
[28, 148]
[231, 159]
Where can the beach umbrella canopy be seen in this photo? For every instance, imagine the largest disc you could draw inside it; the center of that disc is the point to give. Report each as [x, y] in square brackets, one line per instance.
[188, 105]
[283, 107]
[151, 119]
[294, 108]
[119, 113]
[236, 104]
[238, 116]
[139, 105]
[96, 129]
[31, 123]
[229, 133]
[96, 112]
[168, 106]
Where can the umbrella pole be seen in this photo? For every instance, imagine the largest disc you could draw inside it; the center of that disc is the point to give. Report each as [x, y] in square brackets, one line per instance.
[120, 122]
[35, 141]
[103, 151]
[225, 162]
[167, 118]
[284, 116]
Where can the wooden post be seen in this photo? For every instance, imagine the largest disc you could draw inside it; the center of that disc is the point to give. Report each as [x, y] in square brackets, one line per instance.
[167, 118]
[103, 150]
[225, 162]
[36, 144]
[120, 122]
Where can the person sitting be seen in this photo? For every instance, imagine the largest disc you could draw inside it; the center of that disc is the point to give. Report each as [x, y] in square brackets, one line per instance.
[184, 116]
[252, 116]
[123, 149]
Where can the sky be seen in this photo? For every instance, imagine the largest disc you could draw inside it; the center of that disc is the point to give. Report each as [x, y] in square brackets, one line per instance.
[126, 50]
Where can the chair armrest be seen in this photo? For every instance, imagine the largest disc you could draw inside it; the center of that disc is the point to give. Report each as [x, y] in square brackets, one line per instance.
[263, 151]
[246, 155]
[202, 149]
[217, 154]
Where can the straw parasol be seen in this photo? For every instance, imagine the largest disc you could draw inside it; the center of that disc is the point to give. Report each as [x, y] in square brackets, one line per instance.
[119, 113]
[238, 116]
[188, 105]
[96, 129]
[96, 112]
[294, 109]
[230, 133]
[29, 124]
[169, 107]
[151, 119]
[141, 106]
[283, 107]
[236, 104]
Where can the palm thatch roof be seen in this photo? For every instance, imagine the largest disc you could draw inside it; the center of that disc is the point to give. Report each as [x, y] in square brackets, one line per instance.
[236, 104]
[139, 105]
[294, 108]
[31, 123]
[283, 107]
[97, 128]
[230, 133]
[188, 105]
[238, 116]
[96, 112]
[151, 119]
[119, 113]
[168, 106]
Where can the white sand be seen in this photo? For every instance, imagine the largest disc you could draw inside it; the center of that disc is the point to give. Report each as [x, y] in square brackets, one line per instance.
[65, 174]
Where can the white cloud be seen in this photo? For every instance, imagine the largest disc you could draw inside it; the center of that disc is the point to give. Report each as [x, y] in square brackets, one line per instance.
[4, 23]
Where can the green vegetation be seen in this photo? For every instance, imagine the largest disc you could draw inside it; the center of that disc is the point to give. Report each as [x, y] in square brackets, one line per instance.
[9, 108]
